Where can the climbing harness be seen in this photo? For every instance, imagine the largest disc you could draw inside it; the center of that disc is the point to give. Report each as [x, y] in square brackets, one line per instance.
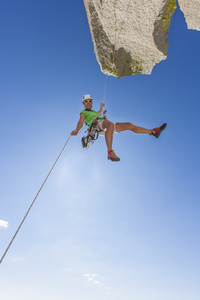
[92, 133]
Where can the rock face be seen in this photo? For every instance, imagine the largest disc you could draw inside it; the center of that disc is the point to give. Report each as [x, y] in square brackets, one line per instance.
[130, 36]
[191, 10]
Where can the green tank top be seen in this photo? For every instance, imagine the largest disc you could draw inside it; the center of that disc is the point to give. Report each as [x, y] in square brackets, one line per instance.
[90, 115]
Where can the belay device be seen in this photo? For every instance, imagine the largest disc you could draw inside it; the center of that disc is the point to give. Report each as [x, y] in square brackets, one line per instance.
[92, 133]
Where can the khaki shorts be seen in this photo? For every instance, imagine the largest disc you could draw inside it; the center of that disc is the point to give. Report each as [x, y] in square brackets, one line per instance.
[100, 125]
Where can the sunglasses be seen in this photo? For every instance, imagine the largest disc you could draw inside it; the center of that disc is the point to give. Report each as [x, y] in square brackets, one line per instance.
[87, 101]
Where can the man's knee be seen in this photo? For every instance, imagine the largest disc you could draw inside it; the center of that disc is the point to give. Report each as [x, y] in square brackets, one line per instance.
[108, 125]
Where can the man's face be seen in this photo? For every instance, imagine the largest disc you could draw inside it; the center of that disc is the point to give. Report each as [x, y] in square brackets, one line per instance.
[88, 104]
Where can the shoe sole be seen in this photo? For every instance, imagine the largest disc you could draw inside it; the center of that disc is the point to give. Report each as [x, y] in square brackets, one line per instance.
[161, 129]
[113, 159]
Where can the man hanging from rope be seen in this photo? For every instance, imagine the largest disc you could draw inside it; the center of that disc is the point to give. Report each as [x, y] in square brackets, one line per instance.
[107, 128]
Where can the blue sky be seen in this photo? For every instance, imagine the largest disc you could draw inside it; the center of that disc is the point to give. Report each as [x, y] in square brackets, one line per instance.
[98, 230]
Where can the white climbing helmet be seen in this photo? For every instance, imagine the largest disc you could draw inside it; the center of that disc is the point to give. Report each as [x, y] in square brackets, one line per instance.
[86, 97]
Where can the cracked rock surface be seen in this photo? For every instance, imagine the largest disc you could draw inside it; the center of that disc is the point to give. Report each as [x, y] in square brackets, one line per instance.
[130, 36]
[191, 11]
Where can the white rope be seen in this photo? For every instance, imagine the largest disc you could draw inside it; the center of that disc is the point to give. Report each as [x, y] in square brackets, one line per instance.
[33, 202]
[105, 90]
[44, 184]
[36, 197]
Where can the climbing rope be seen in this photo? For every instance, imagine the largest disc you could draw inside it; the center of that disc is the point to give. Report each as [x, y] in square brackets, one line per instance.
[12, 240]
[105, 90]
[33, 201]
[44, 184]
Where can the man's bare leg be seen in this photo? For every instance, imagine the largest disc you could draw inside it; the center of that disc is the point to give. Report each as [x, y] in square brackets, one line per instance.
[108, 134]
[136, 129]
[109, 139]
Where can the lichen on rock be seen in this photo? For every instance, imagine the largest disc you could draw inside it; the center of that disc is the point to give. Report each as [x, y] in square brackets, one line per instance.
[130, 36]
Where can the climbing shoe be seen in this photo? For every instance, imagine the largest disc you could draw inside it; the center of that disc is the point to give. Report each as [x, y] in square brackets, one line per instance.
[112, 156]
[158, 130]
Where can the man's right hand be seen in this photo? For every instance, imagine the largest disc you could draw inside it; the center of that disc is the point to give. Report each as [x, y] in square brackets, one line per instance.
[74, 132]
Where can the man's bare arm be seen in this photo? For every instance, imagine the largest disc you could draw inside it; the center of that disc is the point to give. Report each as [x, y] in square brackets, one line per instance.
[101, 109]
[79, 125]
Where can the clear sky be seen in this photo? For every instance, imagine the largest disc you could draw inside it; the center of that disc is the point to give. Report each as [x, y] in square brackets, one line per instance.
[98, 230]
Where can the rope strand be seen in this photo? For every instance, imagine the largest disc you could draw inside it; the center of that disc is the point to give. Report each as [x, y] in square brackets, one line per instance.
[44, 184]
[105, 90]
[33, 201]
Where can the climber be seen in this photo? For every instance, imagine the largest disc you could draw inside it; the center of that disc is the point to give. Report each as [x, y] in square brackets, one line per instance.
[107, 128]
